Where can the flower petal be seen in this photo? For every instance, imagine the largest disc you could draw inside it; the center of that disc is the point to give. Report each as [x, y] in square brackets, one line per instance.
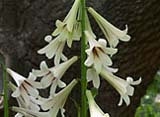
[16, 93]
[17, 77]
[31, 90]
[61, 84]
[32, 76]
[110, 51]
[130, 81]
[102, 42]
[48, 38]
[92, 75]
[50, 49]
[47, 80]
[94, 109]
[63, 57]
[89, 60]
[97, 65]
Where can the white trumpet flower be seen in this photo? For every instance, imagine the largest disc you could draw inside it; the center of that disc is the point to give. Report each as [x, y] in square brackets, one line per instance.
[30, 104]
[52, 76]
[112, 33]
[64, 35]
[54, 104]
[70, 28]
[123, 87]
[98, 53]
[93, 76]
[54, 48]
[95, 111]
[26, 86]
[66, 31]
[22, 112]
[58, 100]
[71, 18]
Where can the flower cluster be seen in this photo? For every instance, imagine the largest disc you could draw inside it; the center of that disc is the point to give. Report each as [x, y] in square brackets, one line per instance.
[66, 31]
[98, 63]
[99, 58]
[27, 90]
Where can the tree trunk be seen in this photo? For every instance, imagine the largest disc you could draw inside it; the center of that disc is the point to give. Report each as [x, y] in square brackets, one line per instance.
[24, 23]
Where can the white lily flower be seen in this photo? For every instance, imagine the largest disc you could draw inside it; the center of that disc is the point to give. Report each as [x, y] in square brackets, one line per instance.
[58, 100]
[88, 26]
[112, 33]
[54, 104]
[98, 53]
[95, 111]
[66, 31]
[54, 48]
[123, 87]
[30, 104]
[70, 28]
[93, 76]
[64, 35]
[52, 76]
[22, 112]
[71, 18]
[26, 86]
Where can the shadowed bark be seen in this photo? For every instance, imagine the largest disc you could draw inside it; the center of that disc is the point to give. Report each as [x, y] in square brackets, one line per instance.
[24, 23]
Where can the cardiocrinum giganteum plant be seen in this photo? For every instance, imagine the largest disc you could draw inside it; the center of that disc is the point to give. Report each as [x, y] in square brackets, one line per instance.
[97, 63]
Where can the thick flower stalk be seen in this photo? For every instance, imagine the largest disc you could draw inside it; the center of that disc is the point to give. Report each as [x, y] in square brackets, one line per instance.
[94, 109]
[53, 104]
[112, 33]
[66, 31]
[52, 76]
[124, 87]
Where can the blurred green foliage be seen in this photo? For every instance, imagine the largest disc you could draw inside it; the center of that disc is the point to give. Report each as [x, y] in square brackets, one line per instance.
[150, 103]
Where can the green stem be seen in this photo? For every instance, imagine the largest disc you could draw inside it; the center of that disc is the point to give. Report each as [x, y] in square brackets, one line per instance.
[83, 67]
[5, 88]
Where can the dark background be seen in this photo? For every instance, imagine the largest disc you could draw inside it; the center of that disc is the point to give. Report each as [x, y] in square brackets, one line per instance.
[24, 23]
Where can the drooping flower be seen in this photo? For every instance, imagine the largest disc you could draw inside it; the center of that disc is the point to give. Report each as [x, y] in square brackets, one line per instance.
[58, 100]
[71, 18]
[123, 87]
[53, 104]
[22, 112]
[93, 76]
[63, 34]
[112, 33]
[66, 31]
[30, 104]
[25, 86]
[88, 26]
[98, 53]
[95, 111]
[54, 48]
[70, 28]
[52, 76]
